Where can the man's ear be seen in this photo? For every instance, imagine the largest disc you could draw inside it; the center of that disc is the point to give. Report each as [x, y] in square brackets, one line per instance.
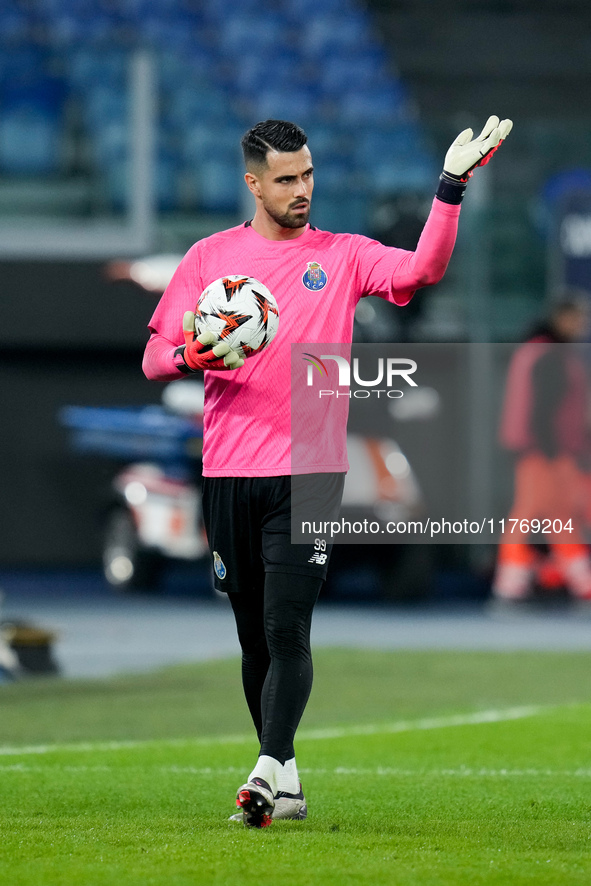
[252, 183]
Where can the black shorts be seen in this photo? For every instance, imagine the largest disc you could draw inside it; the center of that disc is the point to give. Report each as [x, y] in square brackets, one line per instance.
[248, 524]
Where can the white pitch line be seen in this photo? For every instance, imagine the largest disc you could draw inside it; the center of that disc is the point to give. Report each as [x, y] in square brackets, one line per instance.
[494, 716]
[343, 771]
[474, 719]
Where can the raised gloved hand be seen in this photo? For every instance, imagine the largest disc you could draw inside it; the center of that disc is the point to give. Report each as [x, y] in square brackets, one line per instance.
[201, 352]
[466, 153]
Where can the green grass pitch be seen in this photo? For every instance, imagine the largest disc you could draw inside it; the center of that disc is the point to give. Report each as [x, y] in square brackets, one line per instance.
[419, 768]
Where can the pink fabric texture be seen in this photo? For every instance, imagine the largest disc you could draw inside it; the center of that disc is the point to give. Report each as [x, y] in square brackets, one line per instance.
[247, 419]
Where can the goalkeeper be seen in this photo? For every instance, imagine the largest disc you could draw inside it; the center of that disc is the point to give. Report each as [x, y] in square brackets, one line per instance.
[247, 460]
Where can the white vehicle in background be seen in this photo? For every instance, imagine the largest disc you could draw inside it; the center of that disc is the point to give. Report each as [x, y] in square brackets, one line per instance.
[154, 509]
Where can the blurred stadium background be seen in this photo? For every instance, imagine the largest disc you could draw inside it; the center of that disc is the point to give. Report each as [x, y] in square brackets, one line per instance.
[120, 123]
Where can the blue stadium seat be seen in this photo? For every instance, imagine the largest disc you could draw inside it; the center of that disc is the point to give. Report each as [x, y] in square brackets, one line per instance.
[110, 142]
[186, 75]
[211, 139]
[362, 70]
[140, 9]
[30, 141]
[290, 104]
[196, 103]
[219, 11]
[14, 26]
[250, 33]
[104, 105]
[21, 63]
[166, 184]
[80, 8]
[399, 175]
[115, 179]
[32, 114]
[78, 23]
[254, 72]
[301, 10]
[161, 33]
[327, 138]
[402, 139]
[66, 31]
[34, 91]
[220, 183]
[341, 33]
[115, 184]
[381, 106]
[73, 29]
[90, 68]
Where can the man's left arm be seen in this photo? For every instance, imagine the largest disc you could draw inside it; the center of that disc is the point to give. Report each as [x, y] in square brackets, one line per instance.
[396, 274]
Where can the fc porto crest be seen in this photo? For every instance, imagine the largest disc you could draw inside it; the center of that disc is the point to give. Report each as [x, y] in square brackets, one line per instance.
[314, 278]
[218, 565]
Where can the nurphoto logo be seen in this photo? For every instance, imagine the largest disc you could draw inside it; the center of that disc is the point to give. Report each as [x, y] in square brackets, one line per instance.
[388, 372]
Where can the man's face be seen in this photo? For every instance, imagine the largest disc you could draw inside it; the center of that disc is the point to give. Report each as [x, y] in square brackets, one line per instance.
[285, 187]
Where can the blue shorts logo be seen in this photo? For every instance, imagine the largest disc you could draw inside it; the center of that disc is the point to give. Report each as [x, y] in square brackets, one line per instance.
[314, 278]
[218, 565]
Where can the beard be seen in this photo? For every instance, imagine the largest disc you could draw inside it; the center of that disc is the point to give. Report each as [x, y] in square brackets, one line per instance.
[288, 219]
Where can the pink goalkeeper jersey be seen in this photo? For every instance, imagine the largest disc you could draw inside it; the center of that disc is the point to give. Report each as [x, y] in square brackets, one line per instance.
[317, 279]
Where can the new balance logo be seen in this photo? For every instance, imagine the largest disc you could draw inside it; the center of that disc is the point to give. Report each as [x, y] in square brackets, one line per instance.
[319, 556]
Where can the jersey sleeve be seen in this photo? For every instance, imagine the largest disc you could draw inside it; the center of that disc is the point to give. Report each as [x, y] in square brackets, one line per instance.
[180, 295]
[395, 274]
[166, 325]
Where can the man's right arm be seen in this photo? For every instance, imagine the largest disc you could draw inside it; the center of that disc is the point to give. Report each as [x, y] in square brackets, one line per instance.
[163, 356]
[163, 360]
[174, 350]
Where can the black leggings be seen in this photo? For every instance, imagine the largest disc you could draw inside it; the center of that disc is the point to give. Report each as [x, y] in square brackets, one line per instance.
[274, 632]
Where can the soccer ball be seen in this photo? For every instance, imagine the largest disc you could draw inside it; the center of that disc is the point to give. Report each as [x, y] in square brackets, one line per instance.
[240, 311]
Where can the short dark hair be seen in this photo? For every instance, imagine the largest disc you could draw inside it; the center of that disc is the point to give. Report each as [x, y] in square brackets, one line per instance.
[271, 135]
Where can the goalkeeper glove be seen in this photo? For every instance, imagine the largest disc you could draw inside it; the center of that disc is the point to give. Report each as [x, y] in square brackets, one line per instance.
[466, 153]
[201, 352]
